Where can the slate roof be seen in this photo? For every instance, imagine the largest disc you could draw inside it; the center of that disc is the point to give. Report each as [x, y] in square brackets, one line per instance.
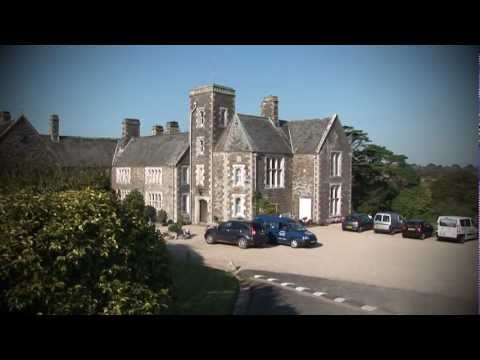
[306, 134]
[4, 126]
[263, 136]
[75, 151]
[161, 150]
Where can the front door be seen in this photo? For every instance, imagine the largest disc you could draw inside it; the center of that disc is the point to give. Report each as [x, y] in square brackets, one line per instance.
[305, 207]
[203, 211]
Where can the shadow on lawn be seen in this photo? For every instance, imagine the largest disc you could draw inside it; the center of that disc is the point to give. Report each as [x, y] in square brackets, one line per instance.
[200, 290]
[268, 300]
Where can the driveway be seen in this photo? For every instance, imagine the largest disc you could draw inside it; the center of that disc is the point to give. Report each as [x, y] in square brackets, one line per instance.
[389, 261]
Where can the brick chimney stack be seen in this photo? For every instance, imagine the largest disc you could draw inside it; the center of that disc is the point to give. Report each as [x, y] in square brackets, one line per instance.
[5, 117]
[130, 128]
[54, 128]
[270, 109]
[157, 130]
[172, 128]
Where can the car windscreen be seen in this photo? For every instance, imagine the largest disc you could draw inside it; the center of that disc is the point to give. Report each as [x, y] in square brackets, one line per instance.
[297, 226]
[448, 222]
[465, 222]
[414, 222]
[386, 218]
[352, 218]
[378, 218]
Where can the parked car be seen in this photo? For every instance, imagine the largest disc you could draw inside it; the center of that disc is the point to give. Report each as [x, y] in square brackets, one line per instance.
[456, 227]
[357, 222]
[286, 231]
[417, 229]
[242, 233]
[388, 222]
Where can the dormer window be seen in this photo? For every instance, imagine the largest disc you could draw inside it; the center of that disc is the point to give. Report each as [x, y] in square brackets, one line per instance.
[223, 118]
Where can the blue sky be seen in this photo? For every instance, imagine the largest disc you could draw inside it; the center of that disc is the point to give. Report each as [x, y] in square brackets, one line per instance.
[415, 100]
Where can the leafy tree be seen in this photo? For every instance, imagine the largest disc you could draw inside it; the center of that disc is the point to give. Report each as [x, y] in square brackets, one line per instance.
[263, 206]
[134, 204]
[80, 252]
[150, 213]
[162, 217]
[415, 202]
[378, 177]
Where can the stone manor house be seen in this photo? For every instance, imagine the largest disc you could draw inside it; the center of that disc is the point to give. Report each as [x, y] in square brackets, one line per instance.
[212, 172]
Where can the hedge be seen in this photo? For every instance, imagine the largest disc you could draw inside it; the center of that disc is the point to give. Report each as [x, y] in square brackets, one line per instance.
[80, 252]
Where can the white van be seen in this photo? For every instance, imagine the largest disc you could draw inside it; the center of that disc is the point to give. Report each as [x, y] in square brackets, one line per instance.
[456, 227]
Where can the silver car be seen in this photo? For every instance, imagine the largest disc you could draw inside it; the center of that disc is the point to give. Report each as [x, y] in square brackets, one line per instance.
[388, 222]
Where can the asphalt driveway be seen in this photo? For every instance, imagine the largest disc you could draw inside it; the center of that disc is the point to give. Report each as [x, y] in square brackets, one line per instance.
[387, 261]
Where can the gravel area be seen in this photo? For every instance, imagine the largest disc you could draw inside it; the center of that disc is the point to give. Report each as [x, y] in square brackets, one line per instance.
[427, 266]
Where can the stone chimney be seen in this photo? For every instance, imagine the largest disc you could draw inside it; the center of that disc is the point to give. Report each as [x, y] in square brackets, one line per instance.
[157, 130]
[172, 128]
[54, 128]
[5, 117]
[130, 128]
[270, 108]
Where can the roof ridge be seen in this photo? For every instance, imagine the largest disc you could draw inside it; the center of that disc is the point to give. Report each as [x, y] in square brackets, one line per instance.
[83, 137]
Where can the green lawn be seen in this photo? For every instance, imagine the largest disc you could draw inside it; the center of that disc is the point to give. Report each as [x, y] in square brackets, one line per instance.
[201, 290]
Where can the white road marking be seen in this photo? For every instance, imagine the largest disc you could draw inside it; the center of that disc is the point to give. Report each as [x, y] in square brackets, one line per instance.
[368, 308]
[300, 288]
[287, 284]
[339, 300]
[258, 276]
[272, 279]
[319, 293]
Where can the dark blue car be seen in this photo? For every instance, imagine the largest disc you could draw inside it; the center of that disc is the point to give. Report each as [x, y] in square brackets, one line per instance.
[286, 231]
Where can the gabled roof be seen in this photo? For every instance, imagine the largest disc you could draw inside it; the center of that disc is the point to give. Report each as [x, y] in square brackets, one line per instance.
[263, 136]
[306, 134]
[75, 151]
[161, 150]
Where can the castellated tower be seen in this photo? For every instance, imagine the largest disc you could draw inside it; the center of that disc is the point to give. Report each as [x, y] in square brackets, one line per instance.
[211, 110]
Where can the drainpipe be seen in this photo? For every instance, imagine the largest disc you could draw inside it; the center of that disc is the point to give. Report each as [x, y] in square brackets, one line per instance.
[192, 215]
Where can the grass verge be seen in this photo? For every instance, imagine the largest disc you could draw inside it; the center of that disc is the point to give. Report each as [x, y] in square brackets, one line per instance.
[201, 290]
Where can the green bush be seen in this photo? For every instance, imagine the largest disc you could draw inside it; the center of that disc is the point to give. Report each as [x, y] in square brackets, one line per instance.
[175, 228]
[80, 252]
[134, 203]
[150, 213]
[162, 217]
[413, 203]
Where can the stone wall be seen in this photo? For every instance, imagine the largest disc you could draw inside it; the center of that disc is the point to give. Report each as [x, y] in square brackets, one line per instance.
[280, 196]
[225, 191]
[182, 188]
[302, 181]
[336, 141]
[137, 181]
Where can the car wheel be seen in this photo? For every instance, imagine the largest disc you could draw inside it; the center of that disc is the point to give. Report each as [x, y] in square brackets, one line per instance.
[360, 229]
[294, 244]
[461, 239]
[209, 240]
[422, 236]
[242, 243]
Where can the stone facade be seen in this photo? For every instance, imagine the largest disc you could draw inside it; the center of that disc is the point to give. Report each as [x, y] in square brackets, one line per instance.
[303, 167]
